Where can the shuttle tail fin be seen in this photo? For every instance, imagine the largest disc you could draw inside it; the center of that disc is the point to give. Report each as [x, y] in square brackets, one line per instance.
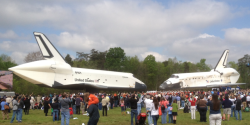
[48, 50]
[223, 60]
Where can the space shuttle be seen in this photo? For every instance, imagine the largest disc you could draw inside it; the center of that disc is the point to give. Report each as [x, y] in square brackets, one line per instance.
[219, 76]
[54, 72]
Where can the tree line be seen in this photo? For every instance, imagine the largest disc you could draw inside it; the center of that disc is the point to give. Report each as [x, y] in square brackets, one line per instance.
[149, 71]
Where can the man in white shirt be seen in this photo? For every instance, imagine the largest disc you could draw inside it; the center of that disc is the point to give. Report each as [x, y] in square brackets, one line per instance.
[248, 100]
[148, 102]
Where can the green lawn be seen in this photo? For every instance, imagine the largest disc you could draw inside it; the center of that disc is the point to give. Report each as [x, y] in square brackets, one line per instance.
[115, 118]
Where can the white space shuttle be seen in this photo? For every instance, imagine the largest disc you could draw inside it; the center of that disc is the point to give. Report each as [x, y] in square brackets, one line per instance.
[56, 73]
[219, 76]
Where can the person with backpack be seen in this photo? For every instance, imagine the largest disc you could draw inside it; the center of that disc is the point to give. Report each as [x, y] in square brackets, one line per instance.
[163, 104]
[4, 110]
[238, 103]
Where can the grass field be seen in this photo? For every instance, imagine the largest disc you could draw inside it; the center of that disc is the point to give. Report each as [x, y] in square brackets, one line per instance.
[115, 118]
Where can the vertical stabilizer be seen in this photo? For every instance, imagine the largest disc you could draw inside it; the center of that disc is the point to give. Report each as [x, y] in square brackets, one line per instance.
[223, 60]
[48, 50]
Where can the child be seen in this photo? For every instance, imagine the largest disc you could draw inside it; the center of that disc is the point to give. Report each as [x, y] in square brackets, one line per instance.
[123, 106]
[170, 116]
[70, 111]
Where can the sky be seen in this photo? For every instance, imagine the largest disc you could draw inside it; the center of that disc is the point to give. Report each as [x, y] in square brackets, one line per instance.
[186, 29]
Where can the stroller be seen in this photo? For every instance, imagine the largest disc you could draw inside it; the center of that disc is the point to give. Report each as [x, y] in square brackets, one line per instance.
[141, 119]
[36, 106]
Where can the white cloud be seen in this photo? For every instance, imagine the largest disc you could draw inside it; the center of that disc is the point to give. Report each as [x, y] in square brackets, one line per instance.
[158, 57]
[8, 35]
[239, 36]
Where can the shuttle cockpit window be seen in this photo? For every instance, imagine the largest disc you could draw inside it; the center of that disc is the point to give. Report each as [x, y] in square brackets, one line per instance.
[174, 76]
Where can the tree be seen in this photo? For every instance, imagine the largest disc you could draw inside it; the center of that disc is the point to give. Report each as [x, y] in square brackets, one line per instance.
[98, 58]
[33, 56]
[131, 64]
[68, 60]
[202, 66]
[151, 71]
[115, 59]
[82, 56]
[6, 62]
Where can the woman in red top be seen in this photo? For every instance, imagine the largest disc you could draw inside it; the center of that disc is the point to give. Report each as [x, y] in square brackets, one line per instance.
[164, 103]
[193, 108]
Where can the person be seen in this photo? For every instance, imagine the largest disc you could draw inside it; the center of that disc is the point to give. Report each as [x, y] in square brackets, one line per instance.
[227, 107]
[215, 113]
[116, 99]
[9, 101]
[123, 106]
[233, 106]
[154, 110]
[15, 109]
[5, 112]
[104, 105]
[32, 102]
[139, 103]
[55, 107]
[111, 102]
[164, 103]
[248, 99]
[148, 103]
[174, 110]
[92, 109]
[20, 109]
[178, 98]
[74, 104]
[238, 103]
[170, 116]
[182, 100]
[100, 102]
[193, 108]
[133, 104]
[78, 104]
[202, 106]
[65, 115]
[27, 104]
[46, 106]
[244, 103]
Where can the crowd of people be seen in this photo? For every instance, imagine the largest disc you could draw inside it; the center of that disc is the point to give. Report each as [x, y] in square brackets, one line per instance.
[164, 105]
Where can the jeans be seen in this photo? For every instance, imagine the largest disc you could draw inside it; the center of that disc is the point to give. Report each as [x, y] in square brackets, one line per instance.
[55, 113]
[236, 113]
[164, 116]
[203, 112]
[133, 113]
[215, 119]
[179, 104]
[20, 114]
[104, 109]
[138, 108]
[65, 115]
[78, 109]
[182, 103]
[142, 104]
[111, 105]
[170, 118]
[232, 111]
[116, 102]
[100, 106]
[15, 113]
[74, 109]
[155, 119]
[149, 117]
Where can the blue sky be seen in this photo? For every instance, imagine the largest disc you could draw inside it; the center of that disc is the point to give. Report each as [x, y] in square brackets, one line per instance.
[186, 29]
